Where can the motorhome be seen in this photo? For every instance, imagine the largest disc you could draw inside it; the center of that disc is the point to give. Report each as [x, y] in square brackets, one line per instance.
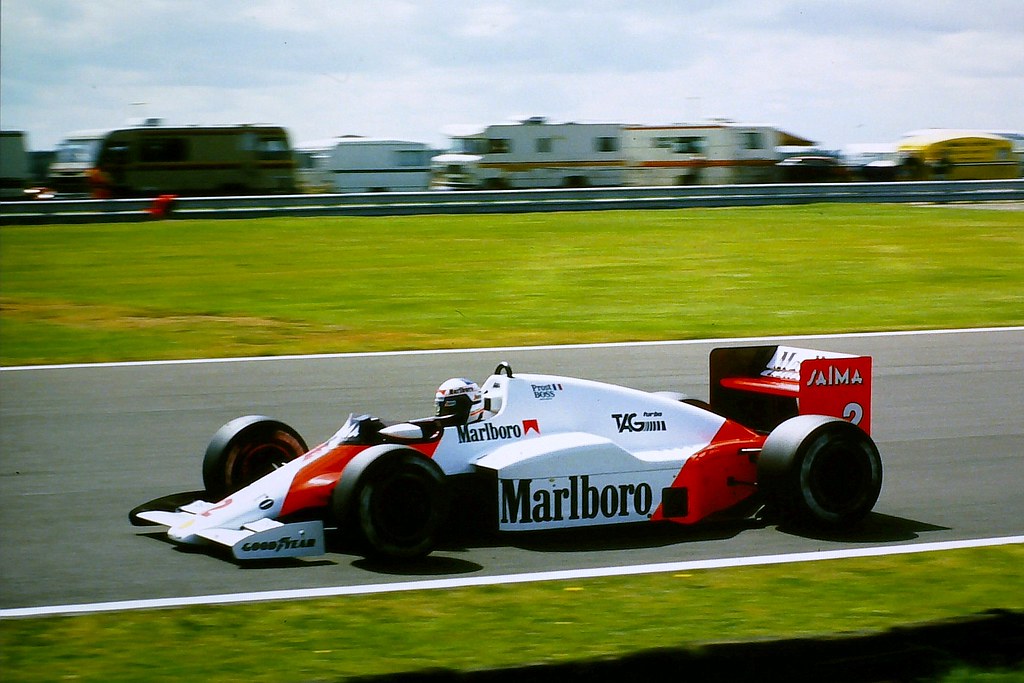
[942, 154]
[532, 153]
[716, 152]
[188, 160]
[14, 164]
[1017, 138]
[73, 160]
[357, 164]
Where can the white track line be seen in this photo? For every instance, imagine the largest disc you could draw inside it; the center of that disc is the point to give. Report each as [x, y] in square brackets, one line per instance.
[497, 349]
[563, 575]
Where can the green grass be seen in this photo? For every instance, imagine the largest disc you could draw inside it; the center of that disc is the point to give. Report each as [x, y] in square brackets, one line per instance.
[186, 288]
[474, 628]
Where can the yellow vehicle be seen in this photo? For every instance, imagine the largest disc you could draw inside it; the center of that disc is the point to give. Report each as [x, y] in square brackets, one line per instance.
[957, 155]
[150, 160]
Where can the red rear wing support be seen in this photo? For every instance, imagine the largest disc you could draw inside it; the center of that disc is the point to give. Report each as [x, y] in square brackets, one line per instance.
[761, 386]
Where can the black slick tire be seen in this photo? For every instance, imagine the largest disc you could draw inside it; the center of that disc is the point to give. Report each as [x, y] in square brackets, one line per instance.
[246, 449]
[394, 500]
[821, 472]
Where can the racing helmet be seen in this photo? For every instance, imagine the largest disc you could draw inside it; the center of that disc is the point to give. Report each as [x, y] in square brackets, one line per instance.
[460, 400]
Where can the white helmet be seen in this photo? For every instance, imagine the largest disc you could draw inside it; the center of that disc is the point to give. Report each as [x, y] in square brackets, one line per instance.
[459, 399]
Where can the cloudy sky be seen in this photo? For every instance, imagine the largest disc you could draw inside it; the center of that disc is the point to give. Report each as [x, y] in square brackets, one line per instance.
[835, 71]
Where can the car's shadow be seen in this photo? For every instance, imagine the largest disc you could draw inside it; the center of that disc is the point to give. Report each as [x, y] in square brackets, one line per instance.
[875, 528]
[432, 565]
[626, 537]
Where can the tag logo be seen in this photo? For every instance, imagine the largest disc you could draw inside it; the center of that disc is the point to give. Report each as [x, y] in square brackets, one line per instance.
[631, 422]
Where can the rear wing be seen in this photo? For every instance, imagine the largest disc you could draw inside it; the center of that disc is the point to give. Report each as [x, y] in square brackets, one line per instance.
[761, 386]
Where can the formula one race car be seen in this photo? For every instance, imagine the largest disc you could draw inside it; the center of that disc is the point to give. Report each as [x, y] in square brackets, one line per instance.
[786, 430]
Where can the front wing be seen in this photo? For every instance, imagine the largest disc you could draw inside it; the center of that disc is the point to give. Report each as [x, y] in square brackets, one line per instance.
[262, 539]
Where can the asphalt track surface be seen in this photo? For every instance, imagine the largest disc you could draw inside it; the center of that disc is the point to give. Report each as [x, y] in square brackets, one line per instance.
[82, 445]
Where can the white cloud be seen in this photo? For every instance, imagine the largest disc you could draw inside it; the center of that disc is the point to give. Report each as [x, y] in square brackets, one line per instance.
[839, 71]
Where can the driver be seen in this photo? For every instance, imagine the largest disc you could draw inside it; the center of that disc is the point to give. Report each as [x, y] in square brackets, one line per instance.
[459, 401]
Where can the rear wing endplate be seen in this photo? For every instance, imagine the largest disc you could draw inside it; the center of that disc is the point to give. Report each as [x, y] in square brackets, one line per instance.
[761, 386]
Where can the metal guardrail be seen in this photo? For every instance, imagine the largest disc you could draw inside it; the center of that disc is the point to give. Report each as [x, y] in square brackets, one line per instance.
[511, 201]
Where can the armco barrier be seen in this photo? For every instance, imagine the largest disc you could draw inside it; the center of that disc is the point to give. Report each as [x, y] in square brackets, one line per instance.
[991, 640]
[511, 201]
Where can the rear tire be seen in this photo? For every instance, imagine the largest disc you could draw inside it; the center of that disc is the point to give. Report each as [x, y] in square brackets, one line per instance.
[246, 449]
[819, 472]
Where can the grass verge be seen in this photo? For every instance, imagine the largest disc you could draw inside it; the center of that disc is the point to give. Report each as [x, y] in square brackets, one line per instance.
[187, 288]
[473, 628]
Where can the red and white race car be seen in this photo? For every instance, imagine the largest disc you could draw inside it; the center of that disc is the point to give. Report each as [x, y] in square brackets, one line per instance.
[786, 429]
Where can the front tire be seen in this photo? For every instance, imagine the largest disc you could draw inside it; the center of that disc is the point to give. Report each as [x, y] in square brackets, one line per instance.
[246, 449]
[819, 472]
[395, 503]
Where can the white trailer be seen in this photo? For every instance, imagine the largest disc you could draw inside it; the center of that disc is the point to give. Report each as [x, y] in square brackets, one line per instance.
[536, 154]
[710, 153]
[532, 154]
[357, 164]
